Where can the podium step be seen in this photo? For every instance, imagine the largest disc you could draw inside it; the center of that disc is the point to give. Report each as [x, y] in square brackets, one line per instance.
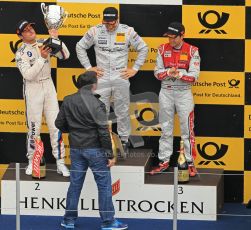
[206, 177]
[136, 194]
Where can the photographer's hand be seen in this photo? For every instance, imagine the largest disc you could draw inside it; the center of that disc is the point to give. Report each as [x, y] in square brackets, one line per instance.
[111, 162]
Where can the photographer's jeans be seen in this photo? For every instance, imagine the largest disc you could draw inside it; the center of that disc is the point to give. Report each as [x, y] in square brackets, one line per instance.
[96, 159]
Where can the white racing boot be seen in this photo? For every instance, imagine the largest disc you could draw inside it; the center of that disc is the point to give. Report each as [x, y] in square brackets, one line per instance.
[62, 169]
[28, 170]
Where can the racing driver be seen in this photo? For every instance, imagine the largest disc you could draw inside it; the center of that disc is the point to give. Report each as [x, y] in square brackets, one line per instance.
[33, 61]
[112, 41]
[177, 67]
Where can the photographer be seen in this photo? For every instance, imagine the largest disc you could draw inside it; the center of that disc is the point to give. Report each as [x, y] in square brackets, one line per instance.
[84, 116]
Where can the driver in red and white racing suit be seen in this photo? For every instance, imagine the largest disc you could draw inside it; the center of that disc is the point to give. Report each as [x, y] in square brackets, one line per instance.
[177, 66]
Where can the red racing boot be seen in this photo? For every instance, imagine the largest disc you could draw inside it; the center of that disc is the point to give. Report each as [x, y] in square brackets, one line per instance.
[162, 167]
[192, 170]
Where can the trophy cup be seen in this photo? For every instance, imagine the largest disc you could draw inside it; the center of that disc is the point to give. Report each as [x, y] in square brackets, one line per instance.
[54, 17]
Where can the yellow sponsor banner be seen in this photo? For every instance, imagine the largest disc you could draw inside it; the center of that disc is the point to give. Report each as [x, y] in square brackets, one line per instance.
[219, 152]
[9, 44]
[3, 168]
[65, 81]
[225, 88]
[153, 44]
[248, 2]
[247, 121]
[82, 16]
[144, 117]
[247, 55]
[144, 120]
[13, 118]
[214, 21]
[247, 186]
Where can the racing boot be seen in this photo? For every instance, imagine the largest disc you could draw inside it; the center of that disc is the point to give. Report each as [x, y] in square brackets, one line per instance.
[28, 169]
[192, 170]
[162, 167]
[62, 169]
[125, 145]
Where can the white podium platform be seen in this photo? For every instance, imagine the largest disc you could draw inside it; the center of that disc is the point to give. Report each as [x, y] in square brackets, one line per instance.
[136, 194]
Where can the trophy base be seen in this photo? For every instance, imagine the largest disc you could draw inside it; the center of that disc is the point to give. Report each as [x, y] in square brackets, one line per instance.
[54, 44]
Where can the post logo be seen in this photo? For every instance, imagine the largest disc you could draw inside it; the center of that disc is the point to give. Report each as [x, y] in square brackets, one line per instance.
[14, 47]
[147, 124]
[219, 153]
[221, 21]
[74, 80]
[233, 83]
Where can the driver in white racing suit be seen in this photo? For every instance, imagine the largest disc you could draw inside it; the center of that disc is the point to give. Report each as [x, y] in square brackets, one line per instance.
[33, 61]
[112, 41]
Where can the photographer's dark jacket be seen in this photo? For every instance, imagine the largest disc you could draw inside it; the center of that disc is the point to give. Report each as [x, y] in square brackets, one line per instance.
[83, 116]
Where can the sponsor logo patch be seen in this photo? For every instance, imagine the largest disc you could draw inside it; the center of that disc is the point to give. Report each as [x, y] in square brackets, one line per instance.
[168, 53]
[183, 57]
[104, 42]
[29, 53]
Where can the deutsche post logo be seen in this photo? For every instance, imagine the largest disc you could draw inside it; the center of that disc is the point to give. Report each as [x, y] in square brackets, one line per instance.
[219, 153]
[221, 21]
[14, 47]
[147, 124]
[74, 80]
[233, 83]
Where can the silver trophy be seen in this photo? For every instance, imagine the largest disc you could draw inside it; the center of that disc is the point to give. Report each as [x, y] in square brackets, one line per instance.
[54, 17]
